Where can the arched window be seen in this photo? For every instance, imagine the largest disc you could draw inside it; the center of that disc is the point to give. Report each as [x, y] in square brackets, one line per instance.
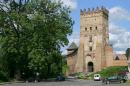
[117, 58]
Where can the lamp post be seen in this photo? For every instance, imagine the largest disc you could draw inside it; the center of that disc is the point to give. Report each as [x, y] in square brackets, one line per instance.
[37, 77]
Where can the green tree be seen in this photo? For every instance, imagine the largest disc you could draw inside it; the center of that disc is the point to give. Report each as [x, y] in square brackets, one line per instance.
[128, 53]
[15, 27]
[32, 33]
[52, 26]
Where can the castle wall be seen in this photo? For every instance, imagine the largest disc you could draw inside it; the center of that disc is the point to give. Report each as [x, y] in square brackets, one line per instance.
[120, 63]
[111, 61]
[109, 56]
[71, 61]
[98, 56]
[79, 62]
[94, 46]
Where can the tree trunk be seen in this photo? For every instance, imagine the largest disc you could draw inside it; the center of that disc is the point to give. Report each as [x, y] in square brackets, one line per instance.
[18, 75]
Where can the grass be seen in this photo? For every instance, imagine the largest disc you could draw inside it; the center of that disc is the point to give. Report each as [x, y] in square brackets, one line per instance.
[128, 81]
[110, 71]
[107, 72]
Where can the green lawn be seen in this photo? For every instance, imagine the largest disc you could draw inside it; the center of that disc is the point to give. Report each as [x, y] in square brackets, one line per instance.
[110, 71]
[128, 81]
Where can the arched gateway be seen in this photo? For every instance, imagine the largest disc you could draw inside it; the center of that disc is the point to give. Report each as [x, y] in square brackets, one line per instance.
[90, 67]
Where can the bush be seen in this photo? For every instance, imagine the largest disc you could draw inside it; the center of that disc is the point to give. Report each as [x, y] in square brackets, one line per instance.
[110, 71]
[81, 75]
[3, 77]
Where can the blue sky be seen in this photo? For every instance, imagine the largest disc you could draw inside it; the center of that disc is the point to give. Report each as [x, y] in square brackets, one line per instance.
[119, 20]
[81, 4]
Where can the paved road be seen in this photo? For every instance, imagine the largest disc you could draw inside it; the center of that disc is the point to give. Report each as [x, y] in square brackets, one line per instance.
[67, 83]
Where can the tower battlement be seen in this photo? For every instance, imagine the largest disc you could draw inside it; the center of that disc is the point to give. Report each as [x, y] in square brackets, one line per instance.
[94, 10]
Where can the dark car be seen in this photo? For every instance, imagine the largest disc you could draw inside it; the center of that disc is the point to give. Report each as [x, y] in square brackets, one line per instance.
[32, 79]
[60, 78]
[119, 79]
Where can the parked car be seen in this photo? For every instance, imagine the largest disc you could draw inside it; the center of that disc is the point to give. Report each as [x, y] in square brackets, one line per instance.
[120, 79]
[97, 77]
[60, 78]
[31, 79]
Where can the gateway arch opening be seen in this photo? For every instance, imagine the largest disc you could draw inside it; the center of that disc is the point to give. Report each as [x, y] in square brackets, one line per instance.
[90, 67]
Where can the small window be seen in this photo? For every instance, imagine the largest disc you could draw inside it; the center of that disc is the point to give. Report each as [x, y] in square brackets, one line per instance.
[90, 28]
[85, 29]
[96, 28]
[90, 48]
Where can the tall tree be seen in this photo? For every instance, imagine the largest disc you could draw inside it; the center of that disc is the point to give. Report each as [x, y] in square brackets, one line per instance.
[128, 54]
[14, 19]
[52, 26]
[32, 34]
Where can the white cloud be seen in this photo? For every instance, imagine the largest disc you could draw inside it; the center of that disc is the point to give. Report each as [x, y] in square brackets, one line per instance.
[120, 52]
[119, 38]
[69, 3]
[119, 13]
[114, 29]
[73, 38]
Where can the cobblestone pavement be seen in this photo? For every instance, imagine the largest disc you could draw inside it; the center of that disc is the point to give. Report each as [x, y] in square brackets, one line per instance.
[68, 83]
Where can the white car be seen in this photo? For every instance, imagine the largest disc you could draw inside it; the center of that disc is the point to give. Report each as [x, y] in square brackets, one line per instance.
[97, 77]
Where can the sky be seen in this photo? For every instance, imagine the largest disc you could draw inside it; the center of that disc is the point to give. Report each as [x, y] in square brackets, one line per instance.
[119, 21]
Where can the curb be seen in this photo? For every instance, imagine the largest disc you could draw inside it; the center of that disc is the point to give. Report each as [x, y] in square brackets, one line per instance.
[11, 82]
[5, 83]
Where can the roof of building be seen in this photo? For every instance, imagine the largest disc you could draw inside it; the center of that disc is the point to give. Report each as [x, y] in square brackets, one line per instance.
[72, 46]
[120, 57]
[72, 52]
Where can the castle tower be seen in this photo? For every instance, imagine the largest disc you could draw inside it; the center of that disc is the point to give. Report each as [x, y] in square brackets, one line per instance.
[94, 37]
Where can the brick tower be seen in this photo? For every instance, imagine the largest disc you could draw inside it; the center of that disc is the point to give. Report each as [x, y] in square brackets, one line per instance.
[94, 37]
